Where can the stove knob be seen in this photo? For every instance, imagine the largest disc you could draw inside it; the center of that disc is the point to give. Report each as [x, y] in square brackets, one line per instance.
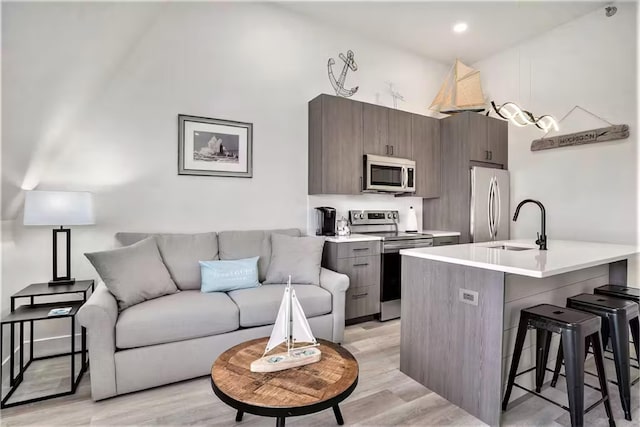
[395, 215]
[389, 215]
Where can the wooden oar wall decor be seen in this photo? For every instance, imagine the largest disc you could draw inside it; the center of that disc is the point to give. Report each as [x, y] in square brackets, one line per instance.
[609, 133]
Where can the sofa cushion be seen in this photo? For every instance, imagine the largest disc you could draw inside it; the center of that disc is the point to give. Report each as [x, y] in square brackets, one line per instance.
[247, 244]
[181, 254]
[259, 306]
[298, 257]
[133, 274]
[177, 317]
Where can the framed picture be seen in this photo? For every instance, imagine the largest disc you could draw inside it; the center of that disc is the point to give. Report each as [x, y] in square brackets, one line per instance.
[214, 147]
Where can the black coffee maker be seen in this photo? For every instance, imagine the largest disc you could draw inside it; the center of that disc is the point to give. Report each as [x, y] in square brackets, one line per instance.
[326, 221]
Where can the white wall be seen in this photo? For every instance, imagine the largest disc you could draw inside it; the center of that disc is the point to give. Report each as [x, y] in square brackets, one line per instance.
[91, 94]
[590, 191]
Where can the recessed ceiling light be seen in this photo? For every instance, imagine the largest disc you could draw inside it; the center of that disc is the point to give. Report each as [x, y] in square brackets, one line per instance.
[460, 27]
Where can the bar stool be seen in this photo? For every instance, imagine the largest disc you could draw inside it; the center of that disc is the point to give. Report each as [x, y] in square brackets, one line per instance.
[616, 291]
[618, 315]
[577, 330]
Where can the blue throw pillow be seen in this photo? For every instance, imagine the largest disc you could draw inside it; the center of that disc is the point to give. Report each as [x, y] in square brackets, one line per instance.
[229, 275]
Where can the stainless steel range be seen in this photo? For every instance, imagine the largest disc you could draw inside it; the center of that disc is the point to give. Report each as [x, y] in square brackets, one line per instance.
[386, 224]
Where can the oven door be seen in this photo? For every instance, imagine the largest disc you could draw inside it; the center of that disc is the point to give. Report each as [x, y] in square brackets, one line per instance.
[391, 274]
[388, 174]
[391, 265]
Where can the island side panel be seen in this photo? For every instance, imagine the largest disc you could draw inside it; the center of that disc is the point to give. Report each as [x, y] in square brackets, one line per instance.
[522, 292]
[618, 273]
[453, 348]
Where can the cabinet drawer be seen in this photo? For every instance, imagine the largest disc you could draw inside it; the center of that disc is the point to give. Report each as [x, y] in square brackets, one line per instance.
[358, 249]
[448, 240]
[362, 301]
[362, 271]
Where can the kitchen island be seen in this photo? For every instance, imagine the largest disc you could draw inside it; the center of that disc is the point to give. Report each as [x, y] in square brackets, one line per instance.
[461, 306]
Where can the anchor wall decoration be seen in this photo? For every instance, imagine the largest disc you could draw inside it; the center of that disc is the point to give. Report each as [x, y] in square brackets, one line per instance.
[338, 85]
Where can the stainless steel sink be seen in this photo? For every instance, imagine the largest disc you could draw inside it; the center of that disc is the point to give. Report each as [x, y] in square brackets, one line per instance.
[510, 248]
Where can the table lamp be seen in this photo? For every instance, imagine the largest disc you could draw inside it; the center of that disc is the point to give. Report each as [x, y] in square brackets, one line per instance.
[61, 208]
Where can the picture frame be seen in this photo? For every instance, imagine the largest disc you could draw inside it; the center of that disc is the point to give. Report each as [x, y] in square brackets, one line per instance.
[214, 147]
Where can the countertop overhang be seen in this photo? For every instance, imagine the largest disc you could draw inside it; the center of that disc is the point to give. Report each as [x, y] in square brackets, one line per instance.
[562, 256]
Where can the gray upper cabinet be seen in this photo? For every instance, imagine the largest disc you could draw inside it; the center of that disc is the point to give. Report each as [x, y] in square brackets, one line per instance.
[487, 139]
[342, 130]
[335, 145]
[375, 129]
[477, 136]
[425, 136]
[400, 134]
[497, 141]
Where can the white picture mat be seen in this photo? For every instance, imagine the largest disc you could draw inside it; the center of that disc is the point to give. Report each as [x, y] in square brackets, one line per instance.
[190, 163]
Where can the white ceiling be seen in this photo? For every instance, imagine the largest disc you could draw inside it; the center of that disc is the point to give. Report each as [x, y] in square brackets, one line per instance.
[426, 27]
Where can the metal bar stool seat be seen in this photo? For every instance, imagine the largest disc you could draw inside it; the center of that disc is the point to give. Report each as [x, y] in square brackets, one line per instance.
[617, 315]
[616, 291]
[577, 330]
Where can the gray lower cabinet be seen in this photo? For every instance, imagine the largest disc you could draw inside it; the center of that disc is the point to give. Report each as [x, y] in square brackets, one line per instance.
[361, 262]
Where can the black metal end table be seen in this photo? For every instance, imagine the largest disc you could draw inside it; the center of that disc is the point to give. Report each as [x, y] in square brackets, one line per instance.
[33, 312]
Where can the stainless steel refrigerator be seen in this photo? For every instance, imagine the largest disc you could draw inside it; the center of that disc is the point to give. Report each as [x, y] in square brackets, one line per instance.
[489, 204]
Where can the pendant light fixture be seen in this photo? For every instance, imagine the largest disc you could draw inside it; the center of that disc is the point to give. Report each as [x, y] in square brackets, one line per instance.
[519, 117]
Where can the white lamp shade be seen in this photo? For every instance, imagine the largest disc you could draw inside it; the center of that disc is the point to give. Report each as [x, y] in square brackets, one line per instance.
[58, 208]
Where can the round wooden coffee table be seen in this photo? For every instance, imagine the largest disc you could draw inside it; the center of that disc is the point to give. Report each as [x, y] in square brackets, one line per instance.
[292, 392]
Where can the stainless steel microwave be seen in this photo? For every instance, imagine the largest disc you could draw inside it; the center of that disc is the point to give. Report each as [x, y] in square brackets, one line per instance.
[389, 174]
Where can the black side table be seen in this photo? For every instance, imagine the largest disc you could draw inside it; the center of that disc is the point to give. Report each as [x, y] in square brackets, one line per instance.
[40, 311]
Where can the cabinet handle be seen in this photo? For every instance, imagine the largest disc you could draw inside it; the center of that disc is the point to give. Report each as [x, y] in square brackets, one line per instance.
[362, 264]
[386, 149]
[360, 249]
[392, 150]
[486, 155]
[490, 155]
[358, 296]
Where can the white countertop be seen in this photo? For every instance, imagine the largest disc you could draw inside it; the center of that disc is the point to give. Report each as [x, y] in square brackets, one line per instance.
[352, 238]
[561, 257]
[441, 233]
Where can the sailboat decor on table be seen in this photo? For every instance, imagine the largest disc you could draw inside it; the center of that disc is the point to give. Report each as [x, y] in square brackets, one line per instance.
[461, 91]
[291, 327]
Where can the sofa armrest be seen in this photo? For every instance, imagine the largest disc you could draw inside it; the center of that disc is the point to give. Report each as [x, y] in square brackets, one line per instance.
[337, 284]
[99, 315]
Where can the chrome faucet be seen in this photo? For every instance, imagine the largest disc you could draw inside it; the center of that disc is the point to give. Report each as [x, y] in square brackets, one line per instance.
[542, 235]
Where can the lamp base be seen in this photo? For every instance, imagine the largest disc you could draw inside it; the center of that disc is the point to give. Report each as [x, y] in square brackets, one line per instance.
[62, 282]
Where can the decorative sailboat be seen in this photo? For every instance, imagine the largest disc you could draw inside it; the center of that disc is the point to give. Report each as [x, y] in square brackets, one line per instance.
[461, 91]
[291, 327]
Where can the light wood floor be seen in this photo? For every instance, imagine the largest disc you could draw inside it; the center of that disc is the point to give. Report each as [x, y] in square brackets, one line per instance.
[384, 397]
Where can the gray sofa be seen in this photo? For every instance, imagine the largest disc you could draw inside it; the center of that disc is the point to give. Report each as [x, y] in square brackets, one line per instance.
[178, 336]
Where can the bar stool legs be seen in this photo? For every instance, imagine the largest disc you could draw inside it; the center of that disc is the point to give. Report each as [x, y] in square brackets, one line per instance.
[578, 330]
[517, 352]
[573, 349]
[620, 346]
[543, 342]
[602, 378]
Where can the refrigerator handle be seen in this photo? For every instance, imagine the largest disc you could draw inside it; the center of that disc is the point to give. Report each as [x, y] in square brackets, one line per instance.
[490, 213]
[499, 208]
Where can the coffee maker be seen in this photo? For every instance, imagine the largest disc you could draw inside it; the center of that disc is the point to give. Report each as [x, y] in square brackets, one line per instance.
[326, 221]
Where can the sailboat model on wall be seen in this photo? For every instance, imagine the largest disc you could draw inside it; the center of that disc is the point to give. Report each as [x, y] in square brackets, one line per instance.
[461, 91]
[291, 327]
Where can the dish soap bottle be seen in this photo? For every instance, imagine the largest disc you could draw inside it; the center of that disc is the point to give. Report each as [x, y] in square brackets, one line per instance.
[412, 221]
